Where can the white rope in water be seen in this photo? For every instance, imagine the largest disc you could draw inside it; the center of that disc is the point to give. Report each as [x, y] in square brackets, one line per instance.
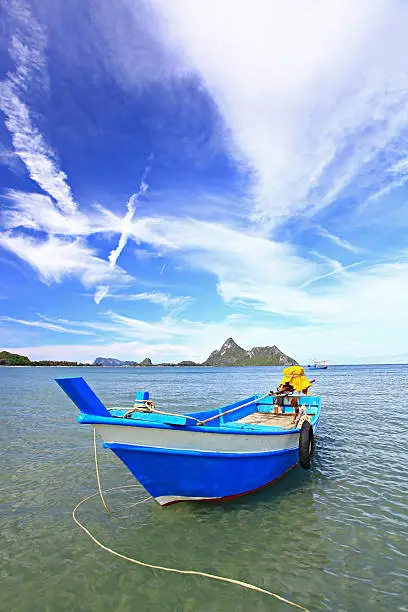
[162, 568]
[98, 480]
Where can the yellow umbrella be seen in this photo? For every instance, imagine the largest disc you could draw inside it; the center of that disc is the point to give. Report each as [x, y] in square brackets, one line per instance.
[295, 376]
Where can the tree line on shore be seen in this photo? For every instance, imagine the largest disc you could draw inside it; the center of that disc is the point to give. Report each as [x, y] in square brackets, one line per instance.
[13, 359]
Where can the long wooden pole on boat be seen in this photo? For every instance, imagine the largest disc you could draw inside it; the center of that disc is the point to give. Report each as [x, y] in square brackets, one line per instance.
[216, 416]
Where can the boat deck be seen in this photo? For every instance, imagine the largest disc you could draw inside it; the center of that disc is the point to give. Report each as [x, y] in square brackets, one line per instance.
[268, 419]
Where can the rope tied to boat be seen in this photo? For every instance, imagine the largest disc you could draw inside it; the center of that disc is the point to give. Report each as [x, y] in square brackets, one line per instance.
[148, 406]
[174, 570]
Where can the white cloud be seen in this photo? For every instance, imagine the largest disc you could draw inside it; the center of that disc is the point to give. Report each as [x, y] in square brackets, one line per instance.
[148, 331]
[128, 218]
[101, 292]
[27, 45]
[311, 95]
[56, 258]
[260, 274]
[48, 326]
[337, 269]
[246, 266]
[155, 297]
[102, 327]
[321, 231]
[64, 252]
[361, 317]
[131, 44]
[9, 158]
[333, 263]
[126, 224]
[251, 272]
[145, 254]
[399, 176]
[38, 211]
[30, 146]
[355, 333]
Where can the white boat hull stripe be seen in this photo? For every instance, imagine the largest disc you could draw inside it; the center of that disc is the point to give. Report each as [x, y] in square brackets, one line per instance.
[191, 440]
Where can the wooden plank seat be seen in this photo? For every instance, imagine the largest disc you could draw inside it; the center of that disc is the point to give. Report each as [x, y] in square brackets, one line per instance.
[268, 419]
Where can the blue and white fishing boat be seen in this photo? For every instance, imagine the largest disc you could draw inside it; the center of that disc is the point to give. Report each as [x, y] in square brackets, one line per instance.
[318, 365]
[212, 455]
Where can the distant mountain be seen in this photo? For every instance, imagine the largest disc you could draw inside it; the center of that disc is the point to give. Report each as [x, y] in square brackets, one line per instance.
[188, 363]
[230, 354]
[146, 362]
[110, 362]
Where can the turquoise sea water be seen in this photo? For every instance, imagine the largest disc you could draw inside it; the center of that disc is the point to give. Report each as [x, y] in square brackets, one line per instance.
[334, 538]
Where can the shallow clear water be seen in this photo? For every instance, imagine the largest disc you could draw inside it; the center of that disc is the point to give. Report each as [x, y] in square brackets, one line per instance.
[334, 538]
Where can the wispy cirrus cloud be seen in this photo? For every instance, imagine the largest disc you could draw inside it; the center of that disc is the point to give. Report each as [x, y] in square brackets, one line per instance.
[48, 326]
[260, 273]
[338, 269]
[245, 261]
[126, 225]
[30, 146]
[38, 211]
[128, 218]
[352, 330]
[398, 176]
[345, 244]
[55, 211]
[27, 49]
[167, 301]
[316, 107]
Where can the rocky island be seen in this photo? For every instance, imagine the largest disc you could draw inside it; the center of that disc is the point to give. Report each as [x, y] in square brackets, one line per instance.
[230, 354]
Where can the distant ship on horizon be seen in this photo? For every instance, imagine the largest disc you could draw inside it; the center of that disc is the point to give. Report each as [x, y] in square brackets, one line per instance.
[319, 365]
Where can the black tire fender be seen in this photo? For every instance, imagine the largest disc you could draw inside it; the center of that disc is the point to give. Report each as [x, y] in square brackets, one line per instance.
[306, 446]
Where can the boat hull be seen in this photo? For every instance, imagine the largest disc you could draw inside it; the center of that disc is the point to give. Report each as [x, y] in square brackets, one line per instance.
[172, 475]
[189, 464]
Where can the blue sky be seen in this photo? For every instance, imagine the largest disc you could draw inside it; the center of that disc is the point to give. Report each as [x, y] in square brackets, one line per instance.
[175, 173]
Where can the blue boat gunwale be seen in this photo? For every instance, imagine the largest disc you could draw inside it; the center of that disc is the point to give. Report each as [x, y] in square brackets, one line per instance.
[225, 429]
[94, 412]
